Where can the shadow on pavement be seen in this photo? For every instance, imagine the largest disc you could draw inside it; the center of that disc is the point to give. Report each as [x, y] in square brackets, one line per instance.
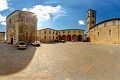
[51, 43]
[13, 60]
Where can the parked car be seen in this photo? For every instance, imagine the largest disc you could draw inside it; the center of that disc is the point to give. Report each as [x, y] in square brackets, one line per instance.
[36, 43]
[21, 45]
[57, 40]
[63, 41]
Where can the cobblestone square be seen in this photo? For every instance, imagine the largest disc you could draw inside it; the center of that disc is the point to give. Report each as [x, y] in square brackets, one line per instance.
[60, 61]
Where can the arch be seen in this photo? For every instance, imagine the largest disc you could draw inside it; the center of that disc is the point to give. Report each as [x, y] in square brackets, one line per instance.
[68, 37]
[74, 37]
[63, 37]
[88, 39]
[10, 35]
[80, 38]
[60, 38]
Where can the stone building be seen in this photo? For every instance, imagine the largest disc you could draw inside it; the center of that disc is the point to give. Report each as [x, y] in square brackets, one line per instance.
[107, 31]
[48, 35]
[2, 36]
[71, 34]
[21, 26]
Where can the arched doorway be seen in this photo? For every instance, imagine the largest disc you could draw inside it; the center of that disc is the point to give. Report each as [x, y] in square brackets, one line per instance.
[79, 37]
[10, 36]
[74, 38]
[63, 37]
[88, 39]
[60, 38]
[68, 37]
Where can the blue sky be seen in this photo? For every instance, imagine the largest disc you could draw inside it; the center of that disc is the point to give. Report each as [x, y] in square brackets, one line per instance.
[61, 14]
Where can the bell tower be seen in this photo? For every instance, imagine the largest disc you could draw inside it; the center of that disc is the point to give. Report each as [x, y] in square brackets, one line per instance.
[91, 19]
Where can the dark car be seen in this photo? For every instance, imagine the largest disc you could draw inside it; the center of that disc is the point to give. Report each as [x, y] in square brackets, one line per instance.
[21, 45]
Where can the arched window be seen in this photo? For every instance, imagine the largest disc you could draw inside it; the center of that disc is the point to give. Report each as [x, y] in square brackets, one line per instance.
[49, 32]
[93, 15]
[110, 32]
[98, 34]
[93, 22]
[45, 32]
[44, 37]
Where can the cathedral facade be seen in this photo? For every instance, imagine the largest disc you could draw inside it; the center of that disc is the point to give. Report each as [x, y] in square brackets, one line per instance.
[107, 32]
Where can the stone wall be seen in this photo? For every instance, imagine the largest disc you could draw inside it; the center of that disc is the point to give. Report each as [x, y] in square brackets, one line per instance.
[2, 36]
[21, 25]
[48, 35]
[106, 32]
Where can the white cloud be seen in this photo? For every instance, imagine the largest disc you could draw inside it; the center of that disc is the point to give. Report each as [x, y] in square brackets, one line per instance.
[81, 22]
[3, 5]
[2, 20]
[45, 13]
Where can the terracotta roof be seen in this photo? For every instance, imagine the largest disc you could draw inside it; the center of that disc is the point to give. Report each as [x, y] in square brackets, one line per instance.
[63, 29]
[106, 21]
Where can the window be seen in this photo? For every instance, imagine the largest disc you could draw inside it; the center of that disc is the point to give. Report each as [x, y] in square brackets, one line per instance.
[114, 22]
[74, 31]
[105, 24]
[53, 32]
[45, 32]
[68, 31]
[40, 32]
[98, 34]
[63, 31]
[93, 22]
[110, 32]
[10, 21]
[49, 32]
[45, 37]
[53, 37]
[79, 31]
[93, 14]
[88, 14]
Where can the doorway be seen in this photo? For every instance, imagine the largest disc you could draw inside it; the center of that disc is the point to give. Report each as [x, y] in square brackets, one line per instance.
[11, 41]
[79, 37]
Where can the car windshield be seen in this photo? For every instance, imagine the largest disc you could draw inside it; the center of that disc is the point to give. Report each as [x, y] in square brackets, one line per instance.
[21, 43]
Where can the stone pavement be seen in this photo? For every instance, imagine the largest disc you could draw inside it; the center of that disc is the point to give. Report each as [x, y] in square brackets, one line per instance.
[60, 61]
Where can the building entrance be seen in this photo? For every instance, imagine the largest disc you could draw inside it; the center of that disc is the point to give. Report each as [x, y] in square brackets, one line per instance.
[79, 38]
[11, 42]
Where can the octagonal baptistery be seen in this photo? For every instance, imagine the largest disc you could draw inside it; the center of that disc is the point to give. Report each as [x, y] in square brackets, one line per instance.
[21, 26]
[107, 32]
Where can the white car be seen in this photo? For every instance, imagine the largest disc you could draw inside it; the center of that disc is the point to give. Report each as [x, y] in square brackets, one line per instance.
[21, 45]
[36, 43]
